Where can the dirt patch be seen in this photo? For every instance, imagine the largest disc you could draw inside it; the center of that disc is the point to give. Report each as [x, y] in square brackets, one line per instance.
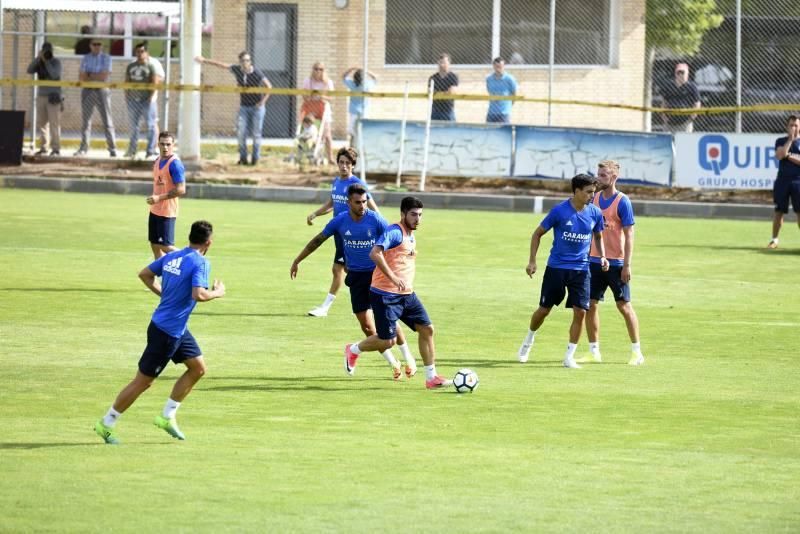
[275, 172]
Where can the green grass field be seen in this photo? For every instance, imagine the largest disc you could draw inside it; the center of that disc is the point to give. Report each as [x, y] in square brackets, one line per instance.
[704, 437]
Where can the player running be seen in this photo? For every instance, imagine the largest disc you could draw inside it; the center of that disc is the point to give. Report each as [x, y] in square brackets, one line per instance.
[392, 295]
[575, 222]
[618, 241]
[359, 228]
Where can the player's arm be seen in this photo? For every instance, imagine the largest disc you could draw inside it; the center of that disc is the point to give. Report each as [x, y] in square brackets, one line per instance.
[322, 210]
[265, 96]
[598, 241]
[536, 239]
[179, 191]
[148, 278]
[372, 205]
[627, 231]
[312, 245]
[376, 255]
[201, 294]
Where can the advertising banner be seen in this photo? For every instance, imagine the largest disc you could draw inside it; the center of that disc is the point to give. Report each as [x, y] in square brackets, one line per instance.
[455, 150]
[725, 161]
[562, 153]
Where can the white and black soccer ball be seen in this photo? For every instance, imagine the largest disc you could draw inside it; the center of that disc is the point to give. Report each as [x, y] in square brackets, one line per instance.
[465, 381]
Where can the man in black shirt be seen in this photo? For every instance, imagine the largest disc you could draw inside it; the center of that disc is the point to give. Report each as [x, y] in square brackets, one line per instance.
[251, 105]
[682, 95]
[444, 81]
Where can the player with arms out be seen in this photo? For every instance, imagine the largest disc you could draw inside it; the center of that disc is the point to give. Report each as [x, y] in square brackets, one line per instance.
[184, 283]
[392, 295]
[618, 241]
[346, 159]
[359, 229]
[576, 222]
[169, 184]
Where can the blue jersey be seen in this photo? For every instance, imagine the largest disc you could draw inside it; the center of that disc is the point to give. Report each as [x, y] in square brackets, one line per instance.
[572, 235]
[176, 169]
[787, 169]
[506, 85]
[180, 271]
[339, 192]
[358, 237]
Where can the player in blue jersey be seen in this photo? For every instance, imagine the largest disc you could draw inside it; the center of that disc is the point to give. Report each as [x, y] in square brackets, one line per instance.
[346, 159]
[787, 184]
[184, 283]
[359, 228]
[576, 222]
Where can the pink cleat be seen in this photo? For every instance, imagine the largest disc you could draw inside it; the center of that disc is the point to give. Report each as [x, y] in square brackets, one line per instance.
[437, 382]
[411, 370]
[349, 360]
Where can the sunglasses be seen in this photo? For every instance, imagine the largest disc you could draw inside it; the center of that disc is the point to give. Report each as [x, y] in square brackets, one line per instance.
[97, 44]
[680, 72]
[318, 68]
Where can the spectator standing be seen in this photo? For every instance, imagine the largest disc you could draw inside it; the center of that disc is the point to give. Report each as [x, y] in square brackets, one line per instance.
[787, 184]
[315, 104]
[84, 45]
[355, 80]
[49, 103]
[683, 94]
[142, 103]
[500, 83]
[444, 81]
[96, 67]
[251, 105]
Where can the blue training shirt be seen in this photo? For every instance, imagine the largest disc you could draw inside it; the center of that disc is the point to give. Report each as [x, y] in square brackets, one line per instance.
[572, 235]
[506, 85]
[339, 192]
[180, 271]
[358, 237]
[625, 213]
[176, 169]
[787, 169]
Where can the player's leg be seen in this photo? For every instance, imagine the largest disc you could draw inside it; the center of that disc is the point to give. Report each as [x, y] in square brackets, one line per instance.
[578, 288]
[552, 293]
[191, 356]
[622, 296]
[385, 311]
[416, 317]
[338, 272]
[402, 344]
[359, 283]
[781, 191]
[598, 284]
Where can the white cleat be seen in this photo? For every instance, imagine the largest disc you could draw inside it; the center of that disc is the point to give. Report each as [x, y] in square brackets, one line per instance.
[570, 363]
[319, 311]
[636, 359]
[524, 352]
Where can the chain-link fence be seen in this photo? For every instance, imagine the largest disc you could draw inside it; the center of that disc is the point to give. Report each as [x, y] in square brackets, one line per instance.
[611, 53]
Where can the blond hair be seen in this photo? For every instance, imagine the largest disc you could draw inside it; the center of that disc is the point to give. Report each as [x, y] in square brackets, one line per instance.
[611, 165]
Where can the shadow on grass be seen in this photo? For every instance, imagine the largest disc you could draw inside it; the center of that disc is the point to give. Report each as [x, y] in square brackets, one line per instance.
[27, 446]
[297, 383]
[70, 289]
[234, 314]
[759, 250]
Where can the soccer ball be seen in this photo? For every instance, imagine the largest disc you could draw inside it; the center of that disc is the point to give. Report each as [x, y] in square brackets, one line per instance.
[465, 381]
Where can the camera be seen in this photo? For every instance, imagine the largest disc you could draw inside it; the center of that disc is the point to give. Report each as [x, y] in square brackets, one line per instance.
[47, 51]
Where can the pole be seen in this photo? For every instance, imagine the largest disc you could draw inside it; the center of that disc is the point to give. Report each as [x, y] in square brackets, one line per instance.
[37, 45]
[402, 137]
[364, 77]
[191, 28]
[551, 59]
[427, 138]
[167, 58]
[738, 65]
[2, 48]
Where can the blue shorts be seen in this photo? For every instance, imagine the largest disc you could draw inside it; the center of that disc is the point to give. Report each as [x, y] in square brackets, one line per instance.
[161, 348]
[389, 308]
[338, 256]
[557, 282]
[783, 190]
[359, 282]
[602, 280]
[502, 118]
[161, 230]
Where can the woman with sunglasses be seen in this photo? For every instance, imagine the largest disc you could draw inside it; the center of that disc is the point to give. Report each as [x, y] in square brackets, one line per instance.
[315, 104]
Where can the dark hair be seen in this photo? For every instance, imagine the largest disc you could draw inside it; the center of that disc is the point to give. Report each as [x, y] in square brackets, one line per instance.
[498, 59]
[358, 77]
[244, 53]
[444, 55]
[348, 152]
[410, 203]
[164, 134]
[356, 189]
[142, 45]
[579, 181]
[86, 29]
[791, 118]
[200, 233]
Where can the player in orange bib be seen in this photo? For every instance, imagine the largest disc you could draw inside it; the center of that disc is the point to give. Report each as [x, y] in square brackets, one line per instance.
[618, 241]
[169, 184]
[392, 295]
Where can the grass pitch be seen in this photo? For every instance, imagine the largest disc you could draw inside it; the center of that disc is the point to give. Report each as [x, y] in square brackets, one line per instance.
[704, 437]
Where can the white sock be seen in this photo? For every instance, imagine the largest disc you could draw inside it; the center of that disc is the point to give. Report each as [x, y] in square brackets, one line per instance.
[571, 348]
[594, 348]
[636, 347]
[354, 348]
[774, 240]
[529, 337]
[406, 352]
[389, 357]
[110, 419]
[328, 300]
[430, 372]
[170, 408]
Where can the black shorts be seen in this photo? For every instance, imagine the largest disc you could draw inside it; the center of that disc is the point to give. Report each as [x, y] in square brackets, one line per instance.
[612, 278]
[161, 230]
[388, 309]
[161, 348]
[338, 256]
[359, 282]
[555, 284]
[783, 190]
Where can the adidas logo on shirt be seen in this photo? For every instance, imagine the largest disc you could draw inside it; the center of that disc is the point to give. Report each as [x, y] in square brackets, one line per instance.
[569, 223]
[348, 233]
[174, 266]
